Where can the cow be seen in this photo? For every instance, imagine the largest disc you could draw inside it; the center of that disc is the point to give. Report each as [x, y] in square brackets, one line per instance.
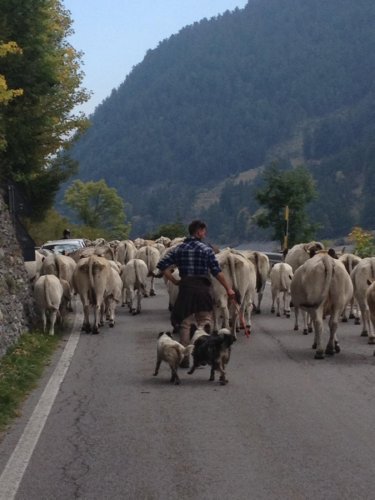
[262, 267]
[125, 251]
[241, 275]
[134, 279]
[61, 266]
[91, 280]
[112, 296]
[370, 299]
[281, 277]
[363, 272]
[350, 261]
[299, 253]
[150, 256]
[51, 295]
[321, 286]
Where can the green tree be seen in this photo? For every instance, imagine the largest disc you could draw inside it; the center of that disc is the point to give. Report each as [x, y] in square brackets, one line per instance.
[294, 188]
[40, 125]
[99, 207]
[174, 230]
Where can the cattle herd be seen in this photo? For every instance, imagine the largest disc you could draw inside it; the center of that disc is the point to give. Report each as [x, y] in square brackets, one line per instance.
[317, 283]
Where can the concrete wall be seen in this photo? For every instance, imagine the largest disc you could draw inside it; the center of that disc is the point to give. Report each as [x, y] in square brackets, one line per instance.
[17, 310]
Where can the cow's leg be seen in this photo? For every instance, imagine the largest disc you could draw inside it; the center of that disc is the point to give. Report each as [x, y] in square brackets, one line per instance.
[287, 304]
[95, 328]
[333, 344]
[278, 305]
[139, 300]
[152, 289]
[317, 319]
[44, 320]
[273, 293]
[52, 321]
[371, 336]
[86, 327]
[296, 312]
[362, 307]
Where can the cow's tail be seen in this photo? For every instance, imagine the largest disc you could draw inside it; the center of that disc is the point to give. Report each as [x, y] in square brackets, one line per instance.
[46, 293]
[284, 284]
[329, 270]
[233, 274]
[57, 260]
[91, 280]
[259, 281]
[138, 282]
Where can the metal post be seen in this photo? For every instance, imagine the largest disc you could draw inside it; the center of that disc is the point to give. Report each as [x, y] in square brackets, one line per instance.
[286, 228]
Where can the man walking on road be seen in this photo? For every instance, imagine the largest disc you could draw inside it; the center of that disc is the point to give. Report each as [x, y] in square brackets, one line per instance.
[194, 260]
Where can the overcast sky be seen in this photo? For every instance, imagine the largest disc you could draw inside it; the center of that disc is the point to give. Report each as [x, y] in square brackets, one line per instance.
[114, 35]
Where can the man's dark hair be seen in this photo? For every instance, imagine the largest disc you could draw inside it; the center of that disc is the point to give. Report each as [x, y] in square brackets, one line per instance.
[195, 225]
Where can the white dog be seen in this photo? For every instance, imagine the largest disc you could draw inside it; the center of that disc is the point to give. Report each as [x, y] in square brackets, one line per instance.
[172, 352]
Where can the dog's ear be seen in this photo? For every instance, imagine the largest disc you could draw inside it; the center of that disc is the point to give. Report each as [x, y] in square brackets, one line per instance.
[207, 328]
[160, 334]
[169, 334]
[193, 329]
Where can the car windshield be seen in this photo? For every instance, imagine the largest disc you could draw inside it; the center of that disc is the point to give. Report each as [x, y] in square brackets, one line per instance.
[62, 248]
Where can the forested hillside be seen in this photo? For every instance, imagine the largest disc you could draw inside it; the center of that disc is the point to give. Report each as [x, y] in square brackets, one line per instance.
[290, 80]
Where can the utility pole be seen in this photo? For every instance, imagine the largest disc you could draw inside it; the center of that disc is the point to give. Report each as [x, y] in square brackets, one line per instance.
[286, 228]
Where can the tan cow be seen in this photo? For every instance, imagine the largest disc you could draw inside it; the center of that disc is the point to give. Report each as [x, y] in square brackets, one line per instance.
[262, 268]
[51, 295]
[370, 299]
[322, 287]
[299, 253]
[112, 296]
[350, 261]
[91, 280]
[125, 251]
[364, 272]
[134, 279]
[281, 277]
[150, 256]
[241, 275]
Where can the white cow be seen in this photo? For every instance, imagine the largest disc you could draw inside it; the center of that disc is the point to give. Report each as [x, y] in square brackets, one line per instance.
[281, 277]
[112, 296]
[299, 253]
[91, 280]
[241, 276]
[150, 256]
[370, 299]
[61, 266]
[134, 279]
[364, 272]
[125, 251]
[262, 267]
[350, 261]
[322, 287]
[51, 295]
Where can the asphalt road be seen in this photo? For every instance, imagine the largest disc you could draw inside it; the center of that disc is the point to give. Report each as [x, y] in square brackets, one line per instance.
[286, 426]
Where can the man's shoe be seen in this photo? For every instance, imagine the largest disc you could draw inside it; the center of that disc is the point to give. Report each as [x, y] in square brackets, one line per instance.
[185, 363]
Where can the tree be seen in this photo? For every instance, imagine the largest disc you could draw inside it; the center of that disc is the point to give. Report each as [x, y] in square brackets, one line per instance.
[294, 188]
[40, 124]
[7, 94]
[98, 207]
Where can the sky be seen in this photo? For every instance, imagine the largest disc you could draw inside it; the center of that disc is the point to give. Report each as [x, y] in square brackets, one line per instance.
[114, 35]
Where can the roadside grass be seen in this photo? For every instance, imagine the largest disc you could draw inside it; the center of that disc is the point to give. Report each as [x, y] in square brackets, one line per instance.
[20, 370]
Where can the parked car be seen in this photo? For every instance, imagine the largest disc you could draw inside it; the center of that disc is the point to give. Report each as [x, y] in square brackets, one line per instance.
[64, 246]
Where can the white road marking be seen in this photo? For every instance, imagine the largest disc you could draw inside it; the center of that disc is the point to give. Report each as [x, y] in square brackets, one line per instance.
[14, 470]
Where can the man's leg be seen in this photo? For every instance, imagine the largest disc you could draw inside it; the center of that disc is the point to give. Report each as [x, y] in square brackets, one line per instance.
[185, 336]
[204, 318]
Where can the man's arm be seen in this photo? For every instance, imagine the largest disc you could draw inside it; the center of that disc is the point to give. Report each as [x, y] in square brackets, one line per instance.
[221, 279]
[168, 273]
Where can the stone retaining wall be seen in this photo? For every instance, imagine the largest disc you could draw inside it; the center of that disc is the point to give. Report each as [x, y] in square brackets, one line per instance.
[17, 309]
